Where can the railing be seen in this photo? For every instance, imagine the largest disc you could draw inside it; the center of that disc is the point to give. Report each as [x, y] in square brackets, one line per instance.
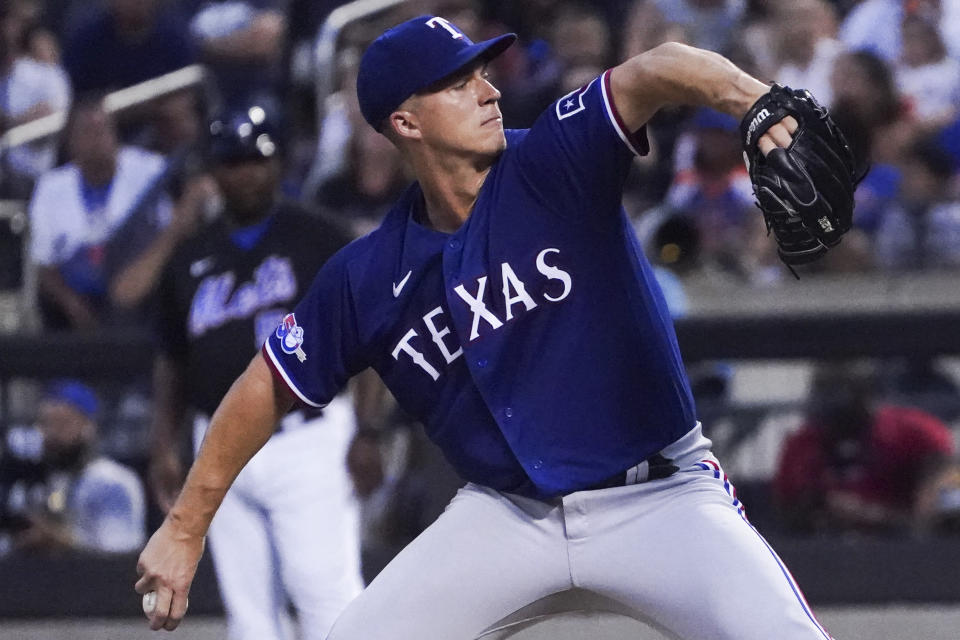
[325, 50]
[325, 67]
[113, 102]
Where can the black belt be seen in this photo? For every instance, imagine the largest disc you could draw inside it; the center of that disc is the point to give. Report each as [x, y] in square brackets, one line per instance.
[653, 468]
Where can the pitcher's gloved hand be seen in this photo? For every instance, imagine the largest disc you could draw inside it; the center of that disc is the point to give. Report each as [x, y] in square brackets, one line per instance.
[804, 190]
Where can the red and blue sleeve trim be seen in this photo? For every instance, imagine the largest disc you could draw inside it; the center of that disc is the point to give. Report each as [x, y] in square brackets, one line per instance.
[281, 375]
[636, 141]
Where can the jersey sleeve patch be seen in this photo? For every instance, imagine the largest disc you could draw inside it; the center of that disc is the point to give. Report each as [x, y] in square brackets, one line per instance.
[290, 336]
[572, 103]
[636, 141]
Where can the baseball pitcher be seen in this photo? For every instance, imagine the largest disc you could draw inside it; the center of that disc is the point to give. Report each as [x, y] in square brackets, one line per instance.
[507, 305]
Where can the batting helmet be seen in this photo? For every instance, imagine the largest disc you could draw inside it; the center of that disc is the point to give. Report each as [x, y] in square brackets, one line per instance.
[250, 133]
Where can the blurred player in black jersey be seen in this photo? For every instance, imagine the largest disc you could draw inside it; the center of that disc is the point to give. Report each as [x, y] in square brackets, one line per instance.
[288, 528]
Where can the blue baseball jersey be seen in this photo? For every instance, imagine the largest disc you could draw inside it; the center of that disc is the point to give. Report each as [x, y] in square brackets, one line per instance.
[533, 343]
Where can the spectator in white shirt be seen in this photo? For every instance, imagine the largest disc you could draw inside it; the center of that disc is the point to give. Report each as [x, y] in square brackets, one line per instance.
[76, 209]
[29, 89]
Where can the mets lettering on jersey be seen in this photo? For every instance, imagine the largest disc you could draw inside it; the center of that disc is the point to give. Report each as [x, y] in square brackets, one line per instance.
[490, 335]
[217, 301]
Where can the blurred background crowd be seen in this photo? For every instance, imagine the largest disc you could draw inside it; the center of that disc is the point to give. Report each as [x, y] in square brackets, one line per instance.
[107, 200]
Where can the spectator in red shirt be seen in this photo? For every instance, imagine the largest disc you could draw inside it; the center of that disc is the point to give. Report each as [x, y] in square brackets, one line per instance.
[856, 464]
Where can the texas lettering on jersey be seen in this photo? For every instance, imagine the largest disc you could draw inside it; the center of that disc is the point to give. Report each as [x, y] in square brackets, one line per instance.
[514, 293]
[217, 302]
[493, 339]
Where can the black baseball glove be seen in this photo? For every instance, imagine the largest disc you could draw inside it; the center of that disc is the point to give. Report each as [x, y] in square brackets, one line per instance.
[806, 190]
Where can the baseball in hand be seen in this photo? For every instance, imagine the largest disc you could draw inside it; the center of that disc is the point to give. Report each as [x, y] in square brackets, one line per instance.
[149, 602]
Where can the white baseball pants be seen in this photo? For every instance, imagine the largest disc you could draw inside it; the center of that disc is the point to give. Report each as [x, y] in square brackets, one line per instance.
[289, 528]
[677, 550]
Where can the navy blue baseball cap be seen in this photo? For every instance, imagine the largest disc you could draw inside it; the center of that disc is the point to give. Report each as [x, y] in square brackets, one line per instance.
[412, 56]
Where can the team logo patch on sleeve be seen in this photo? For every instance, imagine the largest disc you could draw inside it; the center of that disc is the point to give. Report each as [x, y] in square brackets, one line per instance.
[290, 335]
[572, 103]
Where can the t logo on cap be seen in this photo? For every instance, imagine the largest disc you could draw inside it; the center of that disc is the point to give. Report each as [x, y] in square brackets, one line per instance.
[405, 60]
[443, 22]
